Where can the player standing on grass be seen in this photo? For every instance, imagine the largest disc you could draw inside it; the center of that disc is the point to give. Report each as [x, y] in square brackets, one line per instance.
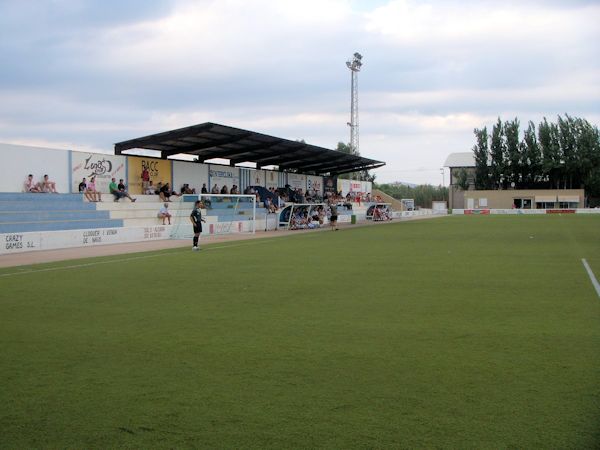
[334, 213]
[196, 218]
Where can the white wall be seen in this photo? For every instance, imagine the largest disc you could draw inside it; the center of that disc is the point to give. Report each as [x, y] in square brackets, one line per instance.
[20, 160]
[193, 174]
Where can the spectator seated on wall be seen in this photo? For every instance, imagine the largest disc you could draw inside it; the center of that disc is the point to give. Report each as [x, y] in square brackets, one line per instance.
[117, 193]
[165, 192]
[48, 186]
[92, 192]
[164, 213]
[185, 189]
[30, 185]
[150, 189]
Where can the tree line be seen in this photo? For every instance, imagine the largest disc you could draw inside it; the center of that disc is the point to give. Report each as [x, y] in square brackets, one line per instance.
[423, 194]
[561, 155]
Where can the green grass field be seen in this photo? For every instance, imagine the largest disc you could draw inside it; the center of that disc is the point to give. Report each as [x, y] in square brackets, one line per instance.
[459, 332]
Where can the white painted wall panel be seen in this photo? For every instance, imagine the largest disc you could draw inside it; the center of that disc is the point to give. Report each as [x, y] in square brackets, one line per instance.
[20, 160]
[191, 173]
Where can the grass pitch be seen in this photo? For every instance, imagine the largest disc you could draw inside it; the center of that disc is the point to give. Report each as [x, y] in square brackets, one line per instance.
[461, 332]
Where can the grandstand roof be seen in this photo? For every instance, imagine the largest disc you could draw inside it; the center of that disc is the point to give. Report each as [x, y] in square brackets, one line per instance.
[211, 140]
[464, 159]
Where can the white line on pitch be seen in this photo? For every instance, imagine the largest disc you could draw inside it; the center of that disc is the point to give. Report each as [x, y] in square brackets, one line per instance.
[591, 275]
[133, 258]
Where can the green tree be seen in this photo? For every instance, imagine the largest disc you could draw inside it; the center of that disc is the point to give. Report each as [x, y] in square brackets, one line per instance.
[423, 194]
[532, 157]
[481, 152]
[462, 179]
[513, 169]
[551, 153]
[497, 156]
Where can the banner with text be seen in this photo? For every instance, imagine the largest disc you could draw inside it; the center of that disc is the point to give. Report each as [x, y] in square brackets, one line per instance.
[223, 176]
[159, 170]
[102, 167]
[297, 181]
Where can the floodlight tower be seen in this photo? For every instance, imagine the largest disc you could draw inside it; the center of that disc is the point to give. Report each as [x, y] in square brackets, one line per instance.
[354, 65]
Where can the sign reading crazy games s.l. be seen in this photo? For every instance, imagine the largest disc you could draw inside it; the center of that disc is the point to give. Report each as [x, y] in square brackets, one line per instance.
[102, 167]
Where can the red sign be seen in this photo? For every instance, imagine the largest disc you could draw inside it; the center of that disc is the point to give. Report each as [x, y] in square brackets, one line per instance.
[477, 211]
[560, 211]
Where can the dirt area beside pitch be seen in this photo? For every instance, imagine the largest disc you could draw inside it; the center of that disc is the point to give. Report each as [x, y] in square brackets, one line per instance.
[46, 256]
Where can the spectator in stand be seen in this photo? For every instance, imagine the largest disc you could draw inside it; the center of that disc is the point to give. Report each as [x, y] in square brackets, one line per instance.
[30, 185]
[215, 189]
[164, 213]
[204, 190]
[92, 192]
[224, 189]
[165, 193]
[185, 189]
[48, 186]
[158, 187]
[83, 189]
[270, 207]
[117, 193]
[121, 185]
[150, 189]
[234, 190]
[145, 179]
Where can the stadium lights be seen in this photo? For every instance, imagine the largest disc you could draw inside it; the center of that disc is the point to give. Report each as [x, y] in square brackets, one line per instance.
[356, 62]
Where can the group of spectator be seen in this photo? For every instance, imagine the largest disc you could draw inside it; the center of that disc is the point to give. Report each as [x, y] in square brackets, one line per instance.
[88, 188]
[44, 186]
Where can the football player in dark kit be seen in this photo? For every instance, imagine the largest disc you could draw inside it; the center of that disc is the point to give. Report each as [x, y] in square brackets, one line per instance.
[196, 218]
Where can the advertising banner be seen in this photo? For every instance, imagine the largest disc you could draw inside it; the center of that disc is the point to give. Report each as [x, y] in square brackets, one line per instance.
[330, 185]
[103, 167]
[223, 176]
[257, 178]
[159, 170]
[297, 181]
[314, 183]
[271, 179]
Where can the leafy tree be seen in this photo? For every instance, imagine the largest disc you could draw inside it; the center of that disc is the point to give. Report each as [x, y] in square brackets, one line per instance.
[551, 153]
[532, 157]
[498, 164]
[481, 151]
[513, 168]
[462, 179]
[423, 194]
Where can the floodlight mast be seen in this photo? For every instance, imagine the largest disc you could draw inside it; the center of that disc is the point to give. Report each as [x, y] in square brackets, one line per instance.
[354, 65]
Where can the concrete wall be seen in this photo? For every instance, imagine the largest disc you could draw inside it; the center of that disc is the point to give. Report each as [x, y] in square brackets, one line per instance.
[193, 174]
[20, 160]
[505, 199]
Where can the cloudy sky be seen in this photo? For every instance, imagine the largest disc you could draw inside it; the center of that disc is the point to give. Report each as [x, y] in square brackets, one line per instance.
[83, 75]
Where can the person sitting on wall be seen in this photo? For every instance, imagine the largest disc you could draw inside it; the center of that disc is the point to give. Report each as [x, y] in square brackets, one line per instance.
[215, 189]
[204, 190]
[83, 189]
[118, 194]
[224, 189]
[234, 190]
[185, 189]
[150, 189]
[166, 192]
[164, 213]
[48, 186]
[91, 190]
[30, 185]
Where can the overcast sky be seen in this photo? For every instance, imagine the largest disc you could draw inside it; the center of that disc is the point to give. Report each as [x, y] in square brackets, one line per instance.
[85, 74]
